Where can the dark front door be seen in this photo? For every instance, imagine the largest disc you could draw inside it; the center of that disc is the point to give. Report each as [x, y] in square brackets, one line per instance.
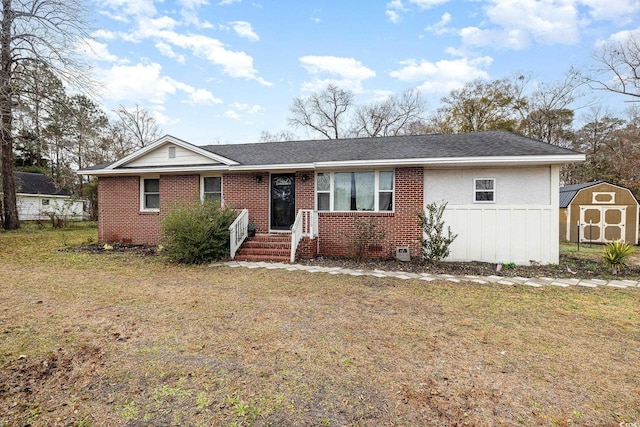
[283, 201]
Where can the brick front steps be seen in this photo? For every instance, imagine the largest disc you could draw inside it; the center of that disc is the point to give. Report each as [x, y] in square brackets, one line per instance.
[266, 247]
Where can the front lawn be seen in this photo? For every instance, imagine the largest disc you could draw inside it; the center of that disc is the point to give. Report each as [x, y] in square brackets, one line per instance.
[112, 339]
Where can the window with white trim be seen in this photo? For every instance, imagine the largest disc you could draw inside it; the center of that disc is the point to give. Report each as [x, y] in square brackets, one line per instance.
[212, 189]
[484, 190]
[323, 189]
[150, 194]
[355, 191]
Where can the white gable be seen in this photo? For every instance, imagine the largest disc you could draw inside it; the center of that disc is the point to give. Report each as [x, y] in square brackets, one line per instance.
[170, 155]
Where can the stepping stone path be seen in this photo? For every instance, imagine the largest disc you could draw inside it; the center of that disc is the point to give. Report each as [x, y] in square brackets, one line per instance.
[428, 277]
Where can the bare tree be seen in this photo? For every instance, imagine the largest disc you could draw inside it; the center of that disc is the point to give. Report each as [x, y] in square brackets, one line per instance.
[547, 113]
[322, 112]
[396, 115]
[618, 68]
[46, 31]
[138, 125]
[281, 136]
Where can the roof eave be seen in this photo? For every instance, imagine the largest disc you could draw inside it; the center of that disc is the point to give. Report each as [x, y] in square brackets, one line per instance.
[154, 170]
[433, 162]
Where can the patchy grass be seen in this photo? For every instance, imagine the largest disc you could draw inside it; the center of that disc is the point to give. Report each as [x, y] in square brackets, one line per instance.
[123, 339]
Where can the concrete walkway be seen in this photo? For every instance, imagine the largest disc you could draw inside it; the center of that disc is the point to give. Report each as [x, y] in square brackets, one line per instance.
[428, 277]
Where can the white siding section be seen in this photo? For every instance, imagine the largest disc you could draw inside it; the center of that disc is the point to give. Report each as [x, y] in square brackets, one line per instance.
[505, 234]
[514, 186]
[520, 227]
[160, 157]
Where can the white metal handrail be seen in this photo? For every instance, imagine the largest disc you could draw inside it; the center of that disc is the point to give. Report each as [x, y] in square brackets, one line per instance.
[238, 232]
[305, 225]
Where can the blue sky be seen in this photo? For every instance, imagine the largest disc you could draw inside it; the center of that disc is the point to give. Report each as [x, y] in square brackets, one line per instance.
[223, 71]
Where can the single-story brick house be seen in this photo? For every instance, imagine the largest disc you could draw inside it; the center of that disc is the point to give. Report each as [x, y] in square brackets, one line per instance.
[598, 212]
[501, 189]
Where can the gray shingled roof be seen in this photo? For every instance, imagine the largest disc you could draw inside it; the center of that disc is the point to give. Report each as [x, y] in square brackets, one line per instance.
[477, 144]
[36, 183]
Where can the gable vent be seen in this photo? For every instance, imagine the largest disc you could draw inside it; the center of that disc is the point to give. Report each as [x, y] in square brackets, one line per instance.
[172, 152]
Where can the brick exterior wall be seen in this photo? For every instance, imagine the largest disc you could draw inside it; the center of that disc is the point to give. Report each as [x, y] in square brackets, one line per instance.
[120, 218]
[242, 191]
[337, 229]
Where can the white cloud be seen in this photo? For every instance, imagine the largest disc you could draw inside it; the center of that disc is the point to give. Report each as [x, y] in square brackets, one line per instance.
[547, 22]
[201, 97]
[226, 2]
[515, 38]
[95, 50]
[162, 30]
[250, 109]
[395, 7]
[235, 64]
[516, 24]
[244, 29]
[103, 34]
[232, 115]
[440, 27]
[393, 16]
[347, 73]
[442, 76]
[428, 4]
[348, 68]
[192, 4]
[614, 10]
[619, 38]
[144, 83]
[150, 28]
[131, 7]
[168, 51]
[163, 119]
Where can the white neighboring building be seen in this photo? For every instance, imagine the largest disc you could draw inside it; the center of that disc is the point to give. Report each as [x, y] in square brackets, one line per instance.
[37, 198]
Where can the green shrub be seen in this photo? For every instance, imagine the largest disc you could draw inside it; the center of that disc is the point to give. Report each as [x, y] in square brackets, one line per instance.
[436, 244]
[196, 233]
[365, 233]
[615, 254]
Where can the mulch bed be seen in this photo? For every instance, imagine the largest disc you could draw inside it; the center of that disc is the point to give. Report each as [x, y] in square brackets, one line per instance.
[569, 267]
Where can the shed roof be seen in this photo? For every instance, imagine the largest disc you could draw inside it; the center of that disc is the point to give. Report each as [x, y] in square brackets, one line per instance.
[36, 183]
[568, 192]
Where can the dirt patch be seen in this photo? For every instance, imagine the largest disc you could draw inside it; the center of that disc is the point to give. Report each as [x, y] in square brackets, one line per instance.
[48, 383]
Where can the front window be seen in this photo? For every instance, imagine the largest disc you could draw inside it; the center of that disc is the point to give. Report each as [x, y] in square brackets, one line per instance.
[484, 190]
[355, 191]
[212, 189]
[150, 194]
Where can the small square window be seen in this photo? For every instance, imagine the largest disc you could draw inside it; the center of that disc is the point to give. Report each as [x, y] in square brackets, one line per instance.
[484, 190]
[46, 202]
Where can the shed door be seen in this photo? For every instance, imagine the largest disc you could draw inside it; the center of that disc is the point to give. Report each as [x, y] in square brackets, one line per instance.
[602, 223]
